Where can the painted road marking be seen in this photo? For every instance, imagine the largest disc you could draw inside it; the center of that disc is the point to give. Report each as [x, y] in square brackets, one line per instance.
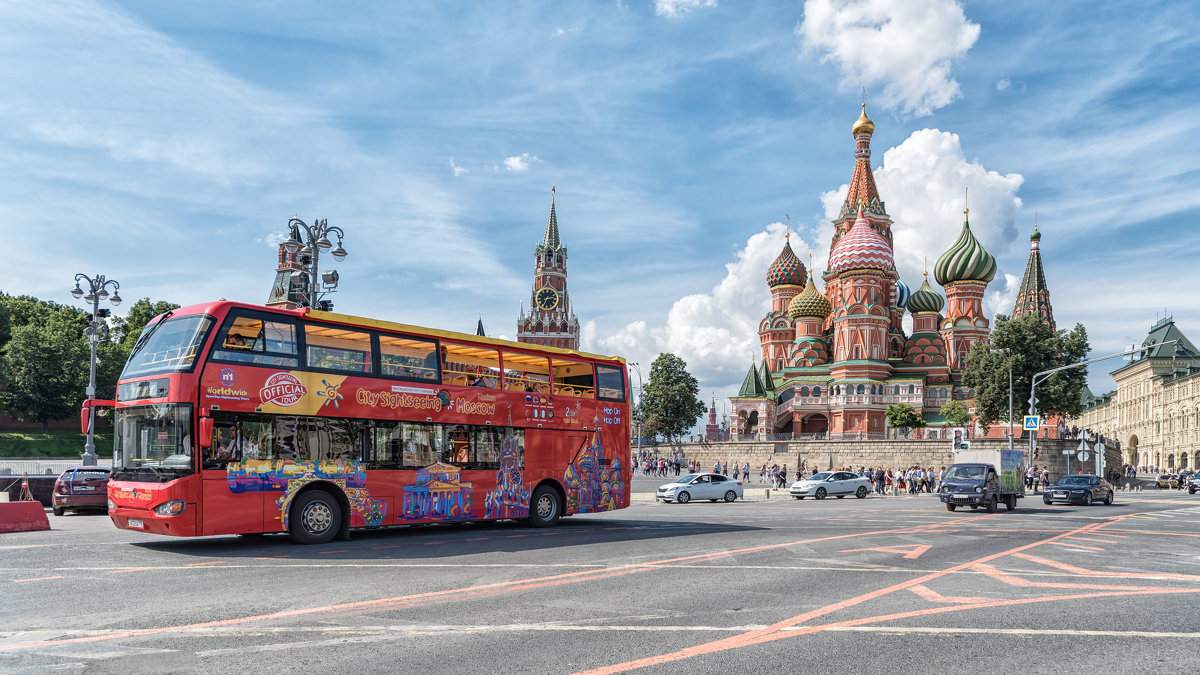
[911, 551]
[135, 569]
[21, 581]
[214, 562]
[340, 550]
[1017, 631]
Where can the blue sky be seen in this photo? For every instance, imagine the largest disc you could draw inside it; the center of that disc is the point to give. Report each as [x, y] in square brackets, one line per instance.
[167, 144]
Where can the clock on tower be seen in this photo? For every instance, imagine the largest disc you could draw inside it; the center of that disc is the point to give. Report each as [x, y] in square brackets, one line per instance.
[551, 320]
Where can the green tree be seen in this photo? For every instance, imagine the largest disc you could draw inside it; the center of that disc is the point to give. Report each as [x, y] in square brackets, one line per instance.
[670, 402]
[956, 414]
[902, 416]
[1031, 347]
[126, 329]
[46, 368]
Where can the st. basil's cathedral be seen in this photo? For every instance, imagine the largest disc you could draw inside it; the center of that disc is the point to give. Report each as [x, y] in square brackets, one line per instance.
[833, 360]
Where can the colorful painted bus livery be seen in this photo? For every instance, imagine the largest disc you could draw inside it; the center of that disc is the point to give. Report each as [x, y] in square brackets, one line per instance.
[313, 423]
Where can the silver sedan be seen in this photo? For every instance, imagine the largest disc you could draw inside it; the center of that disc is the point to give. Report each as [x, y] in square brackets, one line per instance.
[831, 483]
[710, 486]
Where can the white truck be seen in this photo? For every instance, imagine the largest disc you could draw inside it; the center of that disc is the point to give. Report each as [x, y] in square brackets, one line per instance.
[984, 478]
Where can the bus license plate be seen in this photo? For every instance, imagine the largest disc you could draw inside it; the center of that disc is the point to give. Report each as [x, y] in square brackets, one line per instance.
[135, 523]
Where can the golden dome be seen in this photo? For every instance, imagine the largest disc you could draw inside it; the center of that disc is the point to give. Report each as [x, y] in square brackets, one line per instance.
[863, 125]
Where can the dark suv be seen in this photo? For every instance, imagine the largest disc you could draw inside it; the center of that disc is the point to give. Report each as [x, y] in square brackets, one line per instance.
[81, 487]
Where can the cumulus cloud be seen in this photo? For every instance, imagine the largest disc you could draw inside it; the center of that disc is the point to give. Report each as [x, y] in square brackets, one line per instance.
[1003, 85]
[906, 47]
[520, 162]
[715, 332]
[458, 170]
[1001, 295]
[921, 182]
[677, 8]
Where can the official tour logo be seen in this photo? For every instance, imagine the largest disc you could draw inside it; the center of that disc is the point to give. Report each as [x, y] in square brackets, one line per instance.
[228, 377]
[282, 389]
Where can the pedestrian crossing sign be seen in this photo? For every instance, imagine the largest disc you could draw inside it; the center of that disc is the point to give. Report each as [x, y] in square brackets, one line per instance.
[1032, 422]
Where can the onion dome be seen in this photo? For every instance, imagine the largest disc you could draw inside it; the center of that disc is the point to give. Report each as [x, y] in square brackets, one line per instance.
[861, 248]
[863, 125]
[901, 295]
[787, 268]
[1036, 236]
[809, 304]
[925, 299]
[965, 260]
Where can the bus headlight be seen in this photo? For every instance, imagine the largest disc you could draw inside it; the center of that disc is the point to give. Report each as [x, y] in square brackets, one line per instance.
[112, 506]
[171, 508]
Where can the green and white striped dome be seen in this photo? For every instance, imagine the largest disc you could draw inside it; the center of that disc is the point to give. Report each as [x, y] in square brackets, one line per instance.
[965, 260]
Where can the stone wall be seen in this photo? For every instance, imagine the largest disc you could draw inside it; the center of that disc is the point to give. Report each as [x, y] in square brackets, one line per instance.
[893, 453]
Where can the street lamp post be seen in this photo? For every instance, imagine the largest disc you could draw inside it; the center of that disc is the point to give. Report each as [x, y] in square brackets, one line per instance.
[1008, 360]
[96, 331]
[309, 240]
[641, 390]
[1045, 374]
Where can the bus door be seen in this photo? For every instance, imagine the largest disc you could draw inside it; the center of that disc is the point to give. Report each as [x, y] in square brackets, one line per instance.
[234, 482]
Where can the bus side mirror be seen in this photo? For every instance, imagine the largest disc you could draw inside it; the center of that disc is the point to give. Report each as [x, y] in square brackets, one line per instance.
[206, 432]
[85, 416]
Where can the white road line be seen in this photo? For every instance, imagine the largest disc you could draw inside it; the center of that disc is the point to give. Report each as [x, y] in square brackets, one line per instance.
[1007, 631]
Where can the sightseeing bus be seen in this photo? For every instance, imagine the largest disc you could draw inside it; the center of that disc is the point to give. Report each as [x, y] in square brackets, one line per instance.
[239, 419]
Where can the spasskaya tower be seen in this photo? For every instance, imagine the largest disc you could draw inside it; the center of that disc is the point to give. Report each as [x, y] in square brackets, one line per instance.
[551, 320]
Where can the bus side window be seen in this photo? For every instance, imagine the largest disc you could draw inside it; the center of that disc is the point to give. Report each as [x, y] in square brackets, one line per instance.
[611, 382]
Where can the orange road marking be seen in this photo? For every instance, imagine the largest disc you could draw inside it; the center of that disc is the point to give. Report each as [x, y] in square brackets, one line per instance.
[1028, 583]
[1082, 546]
[135, 569]
[477, 539]
[910, 551]
[21, 581]
[433, 543]
[479, 591]
[930, 595]
[214, 562]
[775, 631]
[340, 550]
[1098, 573]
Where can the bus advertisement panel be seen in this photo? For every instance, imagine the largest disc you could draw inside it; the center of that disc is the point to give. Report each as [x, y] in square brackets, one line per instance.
[313, 423]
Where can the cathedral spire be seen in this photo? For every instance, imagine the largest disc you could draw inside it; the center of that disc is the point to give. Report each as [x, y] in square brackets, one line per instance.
[551, 239]
[1034, 296]
[862, 181]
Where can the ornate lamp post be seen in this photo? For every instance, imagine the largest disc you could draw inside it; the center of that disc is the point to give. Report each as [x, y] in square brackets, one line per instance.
[638, 369]
[309, 240]
[96, 331]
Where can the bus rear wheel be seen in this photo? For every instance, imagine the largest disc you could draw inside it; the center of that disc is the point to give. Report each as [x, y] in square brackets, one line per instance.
[545, 507]
[315, 518]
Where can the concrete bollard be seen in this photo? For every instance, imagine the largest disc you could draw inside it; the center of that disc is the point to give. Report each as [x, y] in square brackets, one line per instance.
[768, 491]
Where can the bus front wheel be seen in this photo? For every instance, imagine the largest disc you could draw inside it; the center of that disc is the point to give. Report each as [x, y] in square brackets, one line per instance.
[545, 507]
[315, 518]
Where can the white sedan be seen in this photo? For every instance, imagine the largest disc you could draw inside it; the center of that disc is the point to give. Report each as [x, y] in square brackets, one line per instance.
[831, 483]
[710, 486]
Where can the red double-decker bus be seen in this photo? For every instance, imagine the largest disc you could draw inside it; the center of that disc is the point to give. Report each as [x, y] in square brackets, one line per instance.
[236, 419]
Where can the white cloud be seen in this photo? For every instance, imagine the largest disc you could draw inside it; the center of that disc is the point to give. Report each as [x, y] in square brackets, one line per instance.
[458, 170]
[520, 162]
[677, 8]
[715, 332]
[1003, 85]
[904, 46]
[1000, 300]
[921, 183]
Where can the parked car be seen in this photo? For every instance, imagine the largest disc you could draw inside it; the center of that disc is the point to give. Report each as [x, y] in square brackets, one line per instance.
[81, 487]
[1194, 484]
[710, 486]
[1084, 488]
[1166, 481]
[831, 483]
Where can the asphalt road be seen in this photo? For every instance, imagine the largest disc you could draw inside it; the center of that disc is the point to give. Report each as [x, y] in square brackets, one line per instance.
[874, 585]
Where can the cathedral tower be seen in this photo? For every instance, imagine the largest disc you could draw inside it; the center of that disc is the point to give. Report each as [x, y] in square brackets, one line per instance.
[285, 292]
[776, 330]
[964, 270]
[551, 320]
[1034, 296]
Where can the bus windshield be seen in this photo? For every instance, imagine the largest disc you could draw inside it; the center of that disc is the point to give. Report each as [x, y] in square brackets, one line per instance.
[168, 346]
[153, 442]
